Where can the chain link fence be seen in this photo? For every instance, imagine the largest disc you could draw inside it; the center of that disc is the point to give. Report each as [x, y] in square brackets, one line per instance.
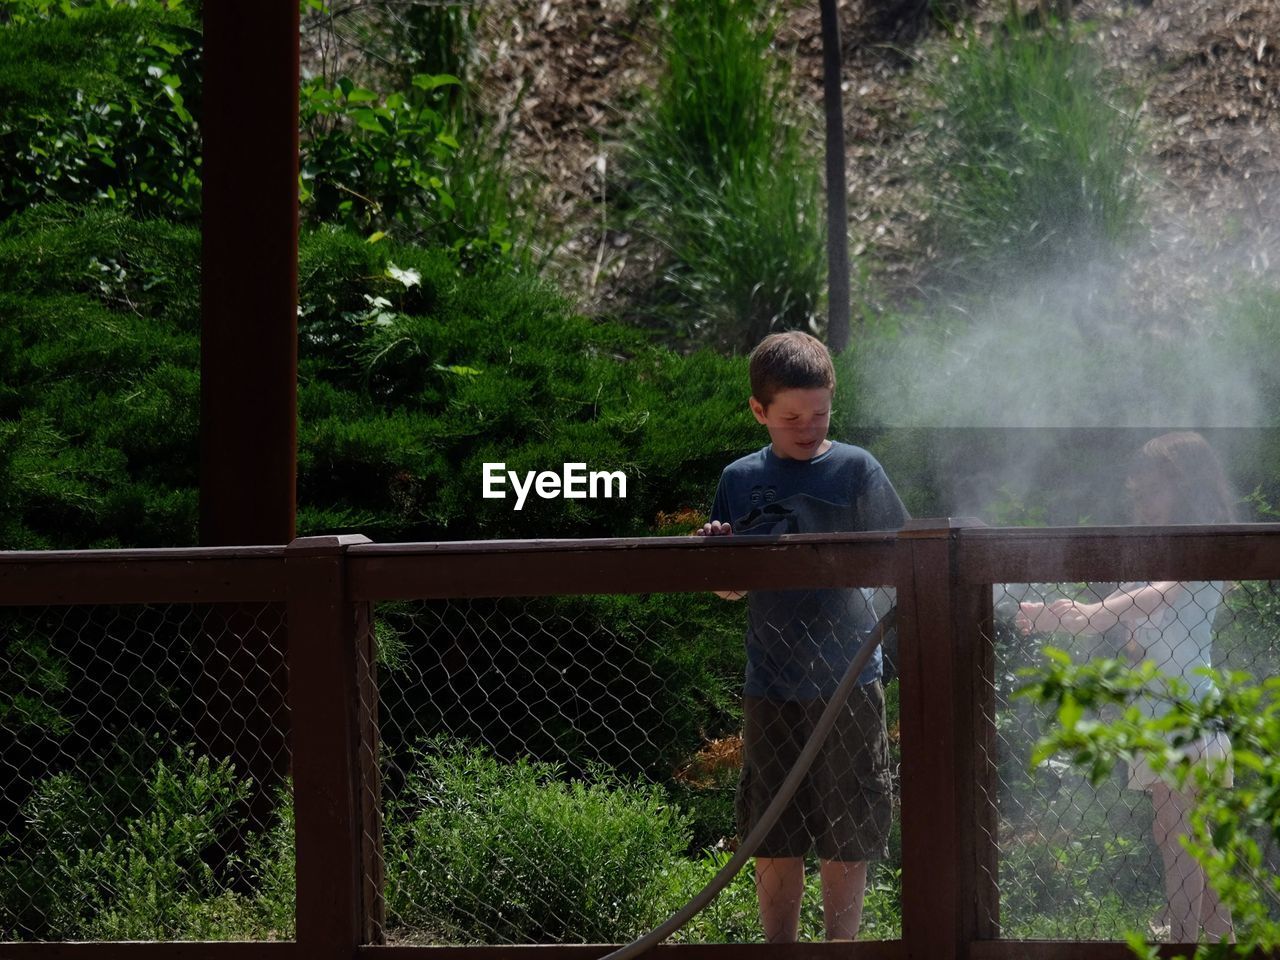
[1085, 862]
[144, 755]
[553, 769]
[563, 770]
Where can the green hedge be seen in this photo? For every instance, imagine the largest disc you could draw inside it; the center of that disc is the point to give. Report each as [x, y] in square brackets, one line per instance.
[407, 386]
[100, 103]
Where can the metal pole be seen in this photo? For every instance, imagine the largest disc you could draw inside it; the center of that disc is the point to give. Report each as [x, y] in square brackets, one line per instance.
[837, 211]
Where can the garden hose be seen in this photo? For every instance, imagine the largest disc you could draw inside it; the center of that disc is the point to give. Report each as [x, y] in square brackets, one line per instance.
[771, 814]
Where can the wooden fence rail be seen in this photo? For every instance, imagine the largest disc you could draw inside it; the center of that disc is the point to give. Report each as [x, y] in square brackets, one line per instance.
[942, 570]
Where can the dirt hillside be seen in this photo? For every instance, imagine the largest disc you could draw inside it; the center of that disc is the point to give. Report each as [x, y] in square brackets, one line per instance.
[1210, 69]
[570, 75]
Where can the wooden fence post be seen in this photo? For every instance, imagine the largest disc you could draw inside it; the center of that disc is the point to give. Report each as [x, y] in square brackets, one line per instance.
[330, 664]
[248, 395]
[949, 894]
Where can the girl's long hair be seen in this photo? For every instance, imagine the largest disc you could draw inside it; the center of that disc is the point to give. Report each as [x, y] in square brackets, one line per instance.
[1185, 461]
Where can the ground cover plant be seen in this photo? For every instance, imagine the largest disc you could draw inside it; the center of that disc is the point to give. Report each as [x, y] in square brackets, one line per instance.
[135, 859]
[482, 852]
[414, 373]
[99, 103]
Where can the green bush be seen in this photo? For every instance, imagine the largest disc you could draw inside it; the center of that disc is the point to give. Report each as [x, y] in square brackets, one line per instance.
[453, 184]
[734, 915]
[422, 373]
[1033, 156]
[637, 683]
[725, 184]
[140, 859]
[480, 851]
[412, 375]
[1066, 889]
[373, 160]
[1235, 828]
[109, 458]
[99, 102]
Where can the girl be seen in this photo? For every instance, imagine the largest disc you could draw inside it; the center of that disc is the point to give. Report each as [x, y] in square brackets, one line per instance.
[1175, 478]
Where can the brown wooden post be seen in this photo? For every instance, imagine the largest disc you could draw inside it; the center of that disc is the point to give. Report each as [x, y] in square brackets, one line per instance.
[978, 779]
[248, 362]
[249, 273]
[328, 667]
[948, 884]
[373, 866]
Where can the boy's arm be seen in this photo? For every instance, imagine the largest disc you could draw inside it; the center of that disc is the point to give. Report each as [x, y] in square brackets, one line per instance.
[719, 526]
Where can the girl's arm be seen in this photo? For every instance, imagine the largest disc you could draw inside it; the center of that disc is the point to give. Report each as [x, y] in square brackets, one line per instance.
[1123, 606]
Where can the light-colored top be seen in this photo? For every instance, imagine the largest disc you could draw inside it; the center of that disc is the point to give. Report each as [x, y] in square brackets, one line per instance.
[1177, 636]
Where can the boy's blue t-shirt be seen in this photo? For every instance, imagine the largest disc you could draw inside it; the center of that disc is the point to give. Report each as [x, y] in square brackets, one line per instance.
[800, 642]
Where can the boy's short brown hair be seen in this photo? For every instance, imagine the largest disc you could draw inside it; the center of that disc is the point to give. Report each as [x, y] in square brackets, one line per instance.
[789, 361]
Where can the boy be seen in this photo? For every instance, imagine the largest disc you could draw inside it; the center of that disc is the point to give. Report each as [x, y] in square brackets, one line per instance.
[799, 643]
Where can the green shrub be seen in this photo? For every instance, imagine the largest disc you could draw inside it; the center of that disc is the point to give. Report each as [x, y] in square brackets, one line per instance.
[443, 371]
[1067, 889]
[1234, 828]
[99, 102]
[400, 404]
[140, 859]
[372, 160]
[1245, 325]
[882, 901]
[734, 915]
[725, 184]
[637, 683]
[100, 358]
[1033, 156]
[433, 167]
[480, 851]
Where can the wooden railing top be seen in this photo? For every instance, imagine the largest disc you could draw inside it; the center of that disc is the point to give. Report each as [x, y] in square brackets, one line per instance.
[685, 542]
[170, 575]
[494, 568]
[639, 565]
[1242, 551]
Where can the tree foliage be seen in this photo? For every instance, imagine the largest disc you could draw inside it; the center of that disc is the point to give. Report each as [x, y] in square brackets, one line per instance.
[1233, 827]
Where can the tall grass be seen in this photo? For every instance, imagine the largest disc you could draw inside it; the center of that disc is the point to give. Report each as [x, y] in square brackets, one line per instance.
[725, 182]
[1034, 155]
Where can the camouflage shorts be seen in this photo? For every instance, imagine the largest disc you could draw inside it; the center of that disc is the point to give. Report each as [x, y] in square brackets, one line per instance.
[843, 807]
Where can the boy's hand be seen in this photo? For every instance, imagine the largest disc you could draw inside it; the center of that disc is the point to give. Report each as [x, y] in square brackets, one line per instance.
[714, 529]
[717, 529]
